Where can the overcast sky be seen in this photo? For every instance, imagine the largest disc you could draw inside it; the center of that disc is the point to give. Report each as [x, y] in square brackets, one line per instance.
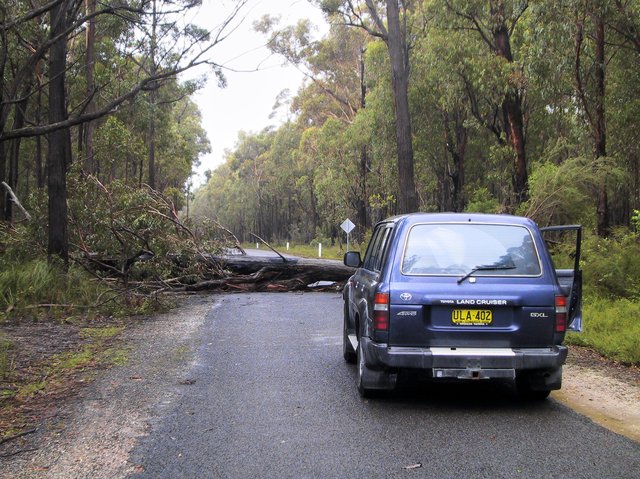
[248, 100]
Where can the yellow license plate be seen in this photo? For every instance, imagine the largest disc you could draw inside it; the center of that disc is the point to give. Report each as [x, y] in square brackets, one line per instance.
[471, 317]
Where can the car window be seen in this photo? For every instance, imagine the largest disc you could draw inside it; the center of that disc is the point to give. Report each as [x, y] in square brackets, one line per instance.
[453, 249]
[377, 248]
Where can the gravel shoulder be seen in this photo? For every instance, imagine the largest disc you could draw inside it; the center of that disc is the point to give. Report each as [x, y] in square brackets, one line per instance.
[94, 430]
[606, 392]
[90, 435]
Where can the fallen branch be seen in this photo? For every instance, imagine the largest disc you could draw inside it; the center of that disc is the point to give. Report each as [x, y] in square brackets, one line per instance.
[15, 200]
[18, 435]
[259, 273]
[15, 453]
[237, 244]
[269, 246]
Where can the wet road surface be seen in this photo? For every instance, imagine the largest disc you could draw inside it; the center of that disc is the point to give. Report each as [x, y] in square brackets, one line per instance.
[268, 395]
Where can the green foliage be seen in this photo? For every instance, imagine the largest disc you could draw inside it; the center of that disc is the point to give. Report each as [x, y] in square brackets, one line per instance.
[561, 193]
[611, 327]
[612, 266]
[124, 222]
[29, 284]
[5, 358]
[482, 201]
[635, 221]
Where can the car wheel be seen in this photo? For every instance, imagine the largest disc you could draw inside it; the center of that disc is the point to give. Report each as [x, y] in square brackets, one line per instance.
[525, 392]
[348, 352]
[361, 373]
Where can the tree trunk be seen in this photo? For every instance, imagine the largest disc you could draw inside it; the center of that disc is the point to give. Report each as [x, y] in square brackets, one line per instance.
[4, 198]
[399, 57]
[4, 51]
[600, 133]
[152, 102]
[89, 128]
[40, 174]
[362, 201]
[511, 107]
[59, 140]
[456, 144]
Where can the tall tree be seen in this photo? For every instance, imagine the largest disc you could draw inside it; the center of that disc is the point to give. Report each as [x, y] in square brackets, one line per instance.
[592, 97]
[335, 66]
[59, 153]
[496, 26]
[389, 21]
[90, 67]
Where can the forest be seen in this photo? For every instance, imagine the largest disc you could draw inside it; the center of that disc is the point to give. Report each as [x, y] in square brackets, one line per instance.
[512, 107]
[519, 107]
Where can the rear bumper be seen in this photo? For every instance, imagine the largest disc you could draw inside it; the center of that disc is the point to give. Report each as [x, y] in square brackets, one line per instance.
[468, 359]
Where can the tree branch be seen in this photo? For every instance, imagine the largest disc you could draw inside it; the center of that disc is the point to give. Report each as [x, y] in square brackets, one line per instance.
[15, 200]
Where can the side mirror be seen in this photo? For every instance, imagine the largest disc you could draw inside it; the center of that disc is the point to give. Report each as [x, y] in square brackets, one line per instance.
[352, 258]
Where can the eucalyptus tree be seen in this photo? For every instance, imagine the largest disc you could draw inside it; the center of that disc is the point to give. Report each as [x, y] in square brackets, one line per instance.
[494, 24]
[393, 22]
[335, 69]
[599, 61]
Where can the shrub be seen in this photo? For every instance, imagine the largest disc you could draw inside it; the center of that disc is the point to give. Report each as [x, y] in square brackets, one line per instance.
[611, 327]
[482, 201]
[612, 265]
[37, 282]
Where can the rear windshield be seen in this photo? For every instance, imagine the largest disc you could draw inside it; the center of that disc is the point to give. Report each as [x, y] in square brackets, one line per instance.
[454, 249]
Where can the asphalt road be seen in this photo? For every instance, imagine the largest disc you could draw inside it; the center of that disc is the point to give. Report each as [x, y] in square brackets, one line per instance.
[269, 396]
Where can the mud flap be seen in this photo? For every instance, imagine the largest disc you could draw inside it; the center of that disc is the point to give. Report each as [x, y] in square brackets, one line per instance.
[541, 380]
[372, 379]
[378, 379]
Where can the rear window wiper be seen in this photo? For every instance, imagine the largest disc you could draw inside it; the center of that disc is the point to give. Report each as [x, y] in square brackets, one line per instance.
[494, 267]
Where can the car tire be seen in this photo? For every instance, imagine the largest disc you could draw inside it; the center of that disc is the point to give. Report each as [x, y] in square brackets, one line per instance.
[361, 373]
[526, 393]
[348, 352]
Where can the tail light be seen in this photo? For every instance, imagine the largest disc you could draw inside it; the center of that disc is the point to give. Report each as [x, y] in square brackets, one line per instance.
[561, 314]
[381, 312]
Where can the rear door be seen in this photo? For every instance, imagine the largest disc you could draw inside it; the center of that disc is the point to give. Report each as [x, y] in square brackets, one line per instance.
[564, 245]
[472, 285]
[368, 279]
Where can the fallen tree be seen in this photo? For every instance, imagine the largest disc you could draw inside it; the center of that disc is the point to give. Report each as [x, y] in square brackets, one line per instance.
[258, 273]
[134, 237]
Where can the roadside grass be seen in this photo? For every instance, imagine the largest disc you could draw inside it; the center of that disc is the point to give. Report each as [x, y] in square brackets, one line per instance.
[37, 289]
[611, 327]
[95, 352]
[5, 359]
[36, 286]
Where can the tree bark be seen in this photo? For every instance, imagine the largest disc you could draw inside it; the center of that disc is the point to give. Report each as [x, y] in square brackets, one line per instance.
[456, 144]
[59, 154]
[511, 106]
[399, 58]
[89, 127]
[600, 133]
[362, 200]
[270, 273]
[152, 103]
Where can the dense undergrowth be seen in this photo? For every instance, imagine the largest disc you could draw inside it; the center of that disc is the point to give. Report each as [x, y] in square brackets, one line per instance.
[611, 301]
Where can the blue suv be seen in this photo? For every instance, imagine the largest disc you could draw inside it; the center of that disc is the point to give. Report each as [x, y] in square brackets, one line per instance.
[461, 296]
